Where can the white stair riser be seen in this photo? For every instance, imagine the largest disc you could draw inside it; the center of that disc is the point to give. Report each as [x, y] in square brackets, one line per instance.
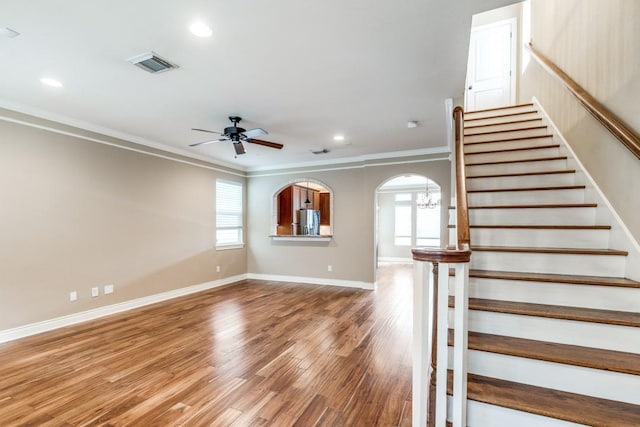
[483, 414]
[518, 167]
[502, 126]
[585, 381]
[504, 156]
[563, 294]
[587, 334]
[493, 120]
[516, 133]
[469, 115]
[505, 145]
[526, 197]
[540, 238]
[585, 265]
[522, 181]
[541, 216]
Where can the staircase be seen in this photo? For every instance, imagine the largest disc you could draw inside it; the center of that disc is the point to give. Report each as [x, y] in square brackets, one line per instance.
[554, 325]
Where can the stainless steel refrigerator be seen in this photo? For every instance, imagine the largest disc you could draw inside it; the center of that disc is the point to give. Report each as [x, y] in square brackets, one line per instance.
[309, 222]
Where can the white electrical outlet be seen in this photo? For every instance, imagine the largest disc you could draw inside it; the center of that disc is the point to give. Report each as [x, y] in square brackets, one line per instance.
[218, 268]
[108, 289]
[95, 292]
[329, 267]
[73, 296]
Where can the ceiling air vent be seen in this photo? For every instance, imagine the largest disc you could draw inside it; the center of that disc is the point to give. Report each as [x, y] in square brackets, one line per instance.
[152, 63]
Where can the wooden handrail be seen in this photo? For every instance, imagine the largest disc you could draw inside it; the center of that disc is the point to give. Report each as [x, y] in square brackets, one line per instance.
[460, 255]
[462, 210]
[617, 127]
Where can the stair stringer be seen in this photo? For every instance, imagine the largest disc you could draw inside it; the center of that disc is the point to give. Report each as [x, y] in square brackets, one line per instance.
[619, 236]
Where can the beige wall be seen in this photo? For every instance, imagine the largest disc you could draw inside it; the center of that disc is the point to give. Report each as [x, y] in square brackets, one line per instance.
[597, 43]
[351, 251]
[76, 214]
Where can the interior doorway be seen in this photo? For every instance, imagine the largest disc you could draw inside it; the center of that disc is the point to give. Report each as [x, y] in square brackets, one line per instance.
[407, 216]
[491, 70]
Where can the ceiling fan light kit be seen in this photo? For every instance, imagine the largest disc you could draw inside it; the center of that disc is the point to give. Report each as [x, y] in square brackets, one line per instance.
[238, 135]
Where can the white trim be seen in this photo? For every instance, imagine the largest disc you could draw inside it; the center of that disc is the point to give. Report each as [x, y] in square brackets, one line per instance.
[124, 147]
[605, 200]
[302, 238]
[362, 166]
[83, 316]
[312, 280]
[355, 159]
[236, 170]
[229, 247]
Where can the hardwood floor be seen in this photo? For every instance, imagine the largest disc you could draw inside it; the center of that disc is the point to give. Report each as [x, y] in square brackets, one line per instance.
[252, 353]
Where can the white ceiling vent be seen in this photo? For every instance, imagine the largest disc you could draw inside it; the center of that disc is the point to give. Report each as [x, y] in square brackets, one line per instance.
[152, 63]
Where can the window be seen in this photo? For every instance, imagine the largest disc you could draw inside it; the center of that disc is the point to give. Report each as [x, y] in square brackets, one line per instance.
[403, 224]
[228, 214]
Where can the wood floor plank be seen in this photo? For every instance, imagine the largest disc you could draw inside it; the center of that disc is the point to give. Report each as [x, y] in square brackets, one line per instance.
[253, 353]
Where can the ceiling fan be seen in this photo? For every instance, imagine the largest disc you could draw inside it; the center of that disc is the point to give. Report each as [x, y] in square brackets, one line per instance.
[238, 135]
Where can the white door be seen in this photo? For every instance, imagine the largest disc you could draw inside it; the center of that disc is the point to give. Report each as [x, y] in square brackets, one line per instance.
[491, 69]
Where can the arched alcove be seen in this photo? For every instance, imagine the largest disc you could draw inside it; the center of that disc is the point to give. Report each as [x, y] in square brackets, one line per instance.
[292, 200]
[408, 214]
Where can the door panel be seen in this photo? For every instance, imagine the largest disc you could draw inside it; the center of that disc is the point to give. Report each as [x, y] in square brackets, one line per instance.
[489, 73]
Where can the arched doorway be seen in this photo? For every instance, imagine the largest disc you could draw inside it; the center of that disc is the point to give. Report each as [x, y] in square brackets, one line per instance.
[408, 215]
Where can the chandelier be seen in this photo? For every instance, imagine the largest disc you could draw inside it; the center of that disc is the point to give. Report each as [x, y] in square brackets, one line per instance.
[426, 200]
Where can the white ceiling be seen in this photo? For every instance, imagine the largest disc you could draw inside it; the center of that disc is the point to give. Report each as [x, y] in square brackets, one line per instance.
[303, 70]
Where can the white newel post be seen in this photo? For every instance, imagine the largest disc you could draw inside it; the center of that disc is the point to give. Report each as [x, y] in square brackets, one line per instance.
[460, 344]
[422, 283]
[431, 305]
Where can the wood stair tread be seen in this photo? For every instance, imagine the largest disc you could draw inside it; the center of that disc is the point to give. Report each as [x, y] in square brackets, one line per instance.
[500, 162]
[540, 206]
[526, 104]
[580, 314]
[553, 278]
[550, 188]
[508, 130]
[588, 357]
[556, 278]
[544, 227]
[537, 119]
[551, 403]
[509, 175]
[497, 116]
[509, 150]
[573, 251]
[537, 227]
[518, 138]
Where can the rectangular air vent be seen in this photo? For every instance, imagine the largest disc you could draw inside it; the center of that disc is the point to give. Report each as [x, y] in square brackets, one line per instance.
[152, 63]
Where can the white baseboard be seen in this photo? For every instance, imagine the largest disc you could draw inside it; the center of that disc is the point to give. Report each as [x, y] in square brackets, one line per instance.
[632, 245]
[83, 316]
[312, 280]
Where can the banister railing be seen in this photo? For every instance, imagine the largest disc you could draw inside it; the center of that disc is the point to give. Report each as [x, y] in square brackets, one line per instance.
[430, 312]
[609, 120]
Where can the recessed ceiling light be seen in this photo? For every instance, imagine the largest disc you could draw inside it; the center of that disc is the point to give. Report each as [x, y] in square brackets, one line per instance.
[50, 82]
[338, 138]
[200, 29]
[412, 124]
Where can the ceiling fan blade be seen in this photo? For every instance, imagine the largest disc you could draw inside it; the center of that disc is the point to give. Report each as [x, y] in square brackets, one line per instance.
[208, 142]
[265, 143]
[205, 130]
[239, 148]
[254, 132]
